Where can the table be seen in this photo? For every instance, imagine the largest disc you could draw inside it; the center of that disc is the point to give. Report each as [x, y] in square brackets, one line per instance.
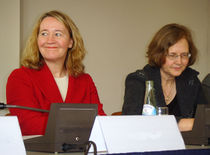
[44, 153]
[190, 150]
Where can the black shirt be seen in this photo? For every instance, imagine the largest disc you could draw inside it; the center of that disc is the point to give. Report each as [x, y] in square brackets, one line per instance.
[173, 108]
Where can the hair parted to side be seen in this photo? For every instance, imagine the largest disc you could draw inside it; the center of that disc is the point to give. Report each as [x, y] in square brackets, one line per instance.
[166, 37]
[32, 58]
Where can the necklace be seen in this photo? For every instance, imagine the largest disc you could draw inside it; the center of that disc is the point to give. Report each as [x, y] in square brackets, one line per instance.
[168, 93]
[167, 98]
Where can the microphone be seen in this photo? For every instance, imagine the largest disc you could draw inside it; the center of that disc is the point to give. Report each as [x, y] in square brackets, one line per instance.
[4, 106]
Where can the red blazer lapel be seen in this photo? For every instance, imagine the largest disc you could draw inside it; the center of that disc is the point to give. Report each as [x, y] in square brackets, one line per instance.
[46, 83]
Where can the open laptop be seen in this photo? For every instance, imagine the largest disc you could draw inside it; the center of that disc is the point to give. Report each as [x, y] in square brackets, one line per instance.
[68, 129]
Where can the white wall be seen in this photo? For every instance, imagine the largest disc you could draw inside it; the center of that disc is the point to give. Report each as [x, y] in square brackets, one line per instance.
[9, 41]
[116, 33]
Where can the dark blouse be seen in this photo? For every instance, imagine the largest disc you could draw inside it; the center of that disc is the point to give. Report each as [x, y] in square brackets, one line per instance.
[188, 88]
[173, 108]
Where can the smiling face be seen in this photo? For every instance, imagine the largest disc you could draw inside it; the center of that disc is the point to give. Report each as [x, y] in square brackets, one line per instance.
[176, 60]
[53, 40]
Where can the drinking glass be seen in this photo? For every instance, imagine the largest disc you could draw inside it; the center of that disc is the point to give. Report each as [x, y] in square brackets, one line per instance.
[162, 110]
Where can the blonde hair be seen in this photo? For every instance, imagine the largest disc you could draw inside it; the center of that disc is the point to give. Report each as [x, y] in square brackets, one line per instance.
[32, 58]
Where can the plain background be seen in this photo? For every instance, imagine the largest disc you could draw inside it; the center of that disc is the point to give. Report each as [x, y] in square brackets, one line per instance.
[116, 34]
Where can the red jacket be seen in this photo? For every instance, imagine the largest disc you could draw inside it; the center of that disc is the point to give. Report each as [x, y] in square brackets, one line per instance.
[38, 89]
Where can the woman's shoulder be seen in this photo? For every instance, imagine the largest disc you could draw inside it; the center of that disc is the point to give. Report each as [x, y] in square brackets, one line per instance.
[83, 77]
[139, 73]
[189, 76]
[19, 75]
[23, 71]
[19, 71]
[189, 73]
[144, 73]
[137, 77]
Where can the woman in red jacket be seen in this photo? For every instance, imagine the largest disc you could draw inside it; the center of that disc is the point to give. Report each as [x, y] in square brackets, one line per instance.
[52, 72]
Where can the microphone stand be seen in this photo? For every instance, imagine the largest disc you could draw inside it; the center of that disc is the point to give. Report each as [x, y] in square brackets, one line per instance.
[4, 106]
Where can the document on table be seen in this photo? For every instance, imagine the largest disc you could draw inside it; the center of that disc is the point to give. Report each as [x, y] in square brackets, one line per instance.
[11, 141]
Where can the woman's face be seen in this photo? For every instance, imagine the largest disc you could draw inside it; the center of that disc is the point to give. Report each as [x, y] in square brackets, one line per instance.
[53, 40]
[177, 59]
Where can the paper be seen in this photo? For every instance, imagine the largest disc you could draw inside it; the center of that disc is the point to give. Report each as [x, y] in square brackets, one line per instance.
[140, 133]
[97, 137]
[11, 142]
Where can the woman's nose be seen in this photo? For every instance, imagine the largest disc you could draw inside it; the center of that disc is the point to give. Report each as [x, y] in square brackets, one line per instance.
[51, 39]
[179, 60]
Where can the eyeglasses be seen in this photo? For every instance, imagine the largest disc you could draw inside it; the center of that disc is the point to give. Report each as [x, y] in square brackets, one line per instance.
[184, 56]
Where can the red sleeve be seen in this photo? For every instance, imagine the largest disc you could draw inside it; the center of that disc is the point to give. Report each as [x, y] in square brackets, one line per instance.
[95, 98]
[20, 91]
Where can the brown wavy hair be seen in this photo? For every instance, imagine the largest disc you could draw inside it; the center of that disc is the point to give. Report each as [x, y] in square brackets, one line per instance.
[32, 58]
[166, 37]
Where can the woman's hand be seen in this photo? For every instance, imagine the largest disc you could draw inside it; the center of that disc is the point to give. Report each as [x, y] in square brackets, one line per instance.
[186, 124]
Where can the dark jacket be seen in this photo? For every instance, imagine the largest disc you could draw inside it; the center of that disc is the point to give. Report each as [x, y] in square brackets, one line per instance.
[188, 87]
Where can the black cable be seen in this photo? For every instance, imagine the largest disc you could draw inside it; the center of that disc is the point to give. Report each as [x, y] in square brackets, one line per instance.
[81, 147]
[88, 145]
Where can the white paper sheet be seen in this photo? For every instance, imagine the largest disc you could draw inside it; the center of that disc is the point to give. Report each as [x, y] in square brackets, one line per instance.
[97, 137]
[11, 142]
[140, 133]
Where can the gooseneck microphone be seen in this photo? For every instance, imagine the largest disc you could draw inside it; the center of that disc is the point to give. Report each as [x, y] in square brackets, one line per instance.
[5, 106]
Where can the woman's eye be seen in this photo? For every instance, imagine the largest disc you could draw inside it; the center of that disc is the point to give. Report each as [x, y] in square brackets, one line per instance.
[173, 55]
[58, 34]
[184, 55]
[43, 33]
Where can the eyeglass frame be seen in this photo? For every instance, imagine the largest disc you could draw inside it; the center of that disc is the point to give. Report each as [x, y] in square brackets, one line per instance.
[182, 56]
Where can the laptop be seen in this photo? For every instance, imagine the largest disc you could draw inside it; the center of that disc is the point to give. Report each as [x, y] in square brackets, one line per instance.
[68, 129]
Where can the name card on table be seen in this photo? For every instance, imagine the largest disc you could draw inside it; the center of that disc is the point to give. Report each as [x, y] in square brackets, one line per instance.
[11, 142]
[97, 137]
[120, 134]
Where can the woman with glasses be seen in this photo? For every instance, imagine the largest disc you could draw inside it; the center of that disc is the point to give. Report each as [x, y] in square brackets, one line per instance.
[170, 53]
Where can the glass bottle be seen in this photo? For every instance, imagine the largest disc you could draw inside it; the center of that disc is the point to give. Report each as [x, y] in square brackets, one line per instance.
[150, 106]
